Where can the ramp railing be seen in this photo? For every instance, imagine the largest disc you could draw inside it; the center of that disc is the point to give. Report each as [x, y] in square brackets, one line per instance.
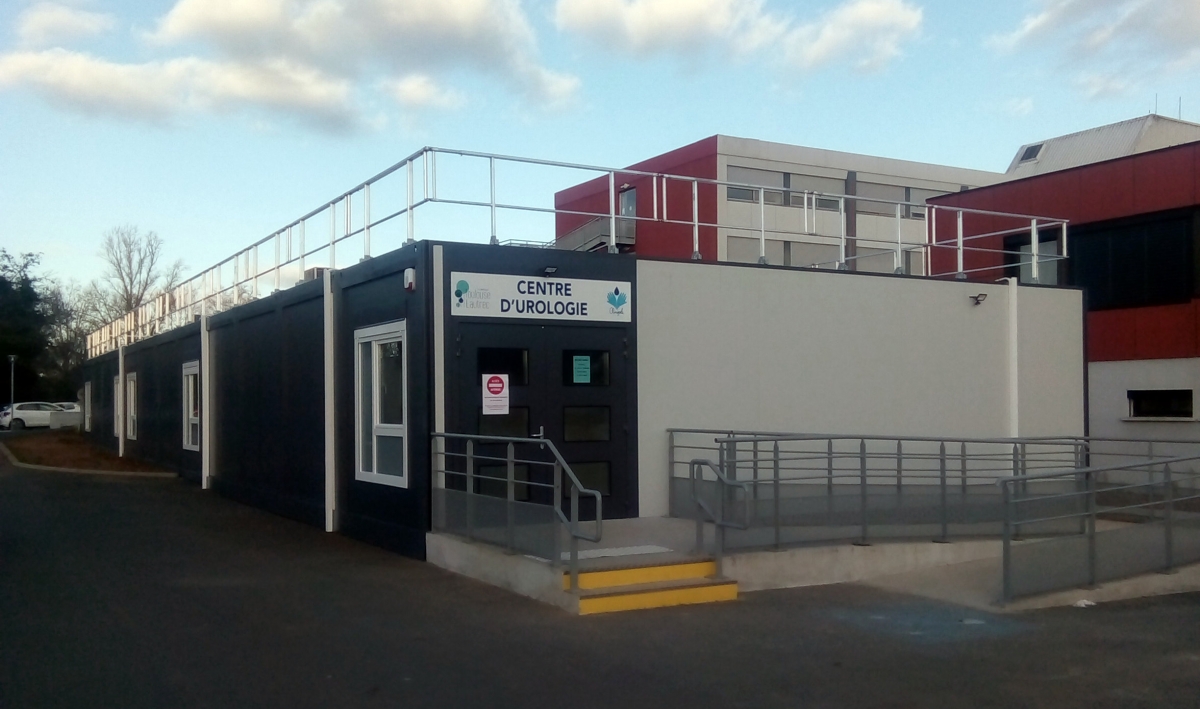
[1078, 528]
[510, 492]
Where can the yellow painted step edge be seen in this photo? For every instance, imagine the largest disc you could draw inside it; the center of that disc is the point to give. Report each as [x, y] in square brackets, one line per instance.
[589, 580]
[661, 598]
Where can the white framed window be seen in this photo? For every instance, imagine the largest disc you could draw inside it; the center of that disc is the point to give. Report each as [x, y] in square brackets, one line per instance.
[87, 406]
[191, 406]
[381, 404]
[116, 399]
[131, 407]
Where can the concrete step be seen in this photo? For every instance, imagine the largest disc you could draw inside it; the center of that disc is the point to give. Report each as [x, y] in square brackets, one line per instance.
[656, 594]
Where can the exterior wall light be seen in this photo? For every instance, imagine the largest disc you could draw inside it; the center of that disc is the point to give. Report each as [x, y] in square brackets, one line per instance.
[550, 271]
[977, 299]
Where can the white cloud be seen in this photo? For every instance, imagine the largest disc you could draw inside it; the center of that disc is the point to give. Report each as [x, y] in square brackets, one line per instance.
[1118, 41]
[48, 23]
[160, 91]
[865, 33]
[1019, 107]
[419, 91]
[305, 59]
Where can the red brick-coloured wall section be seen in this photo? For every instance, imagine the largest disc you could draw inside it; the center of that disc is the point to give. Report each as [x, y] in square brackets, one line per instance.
[654, 238]
[1137, 184]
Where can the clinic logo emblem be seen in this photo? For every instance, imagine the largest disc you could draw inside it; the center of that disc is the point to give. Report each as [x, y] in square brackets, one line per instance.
[467, 299]
[616, 302]
[460, 289]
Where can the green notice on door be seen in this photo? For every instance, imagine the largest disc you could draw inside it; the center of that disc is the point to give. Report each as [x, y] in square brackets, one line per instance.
[583, 369]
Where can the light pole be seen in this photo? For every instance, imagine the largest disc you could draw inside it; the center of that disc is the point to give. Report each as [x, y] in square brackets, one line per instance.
[12, 385]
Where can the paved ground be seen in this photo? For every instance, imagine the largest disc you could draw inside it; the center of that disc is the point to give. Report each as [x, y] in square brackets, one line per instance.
[151, 593]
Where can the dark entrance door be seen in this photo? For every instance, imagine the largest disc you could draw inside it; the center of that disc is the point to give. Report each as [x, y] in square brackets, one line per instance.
[568, 384]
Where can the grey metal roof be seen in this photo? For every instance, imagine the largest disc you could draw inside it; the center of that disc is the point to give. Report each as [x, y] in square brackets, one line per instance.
[1115, 140]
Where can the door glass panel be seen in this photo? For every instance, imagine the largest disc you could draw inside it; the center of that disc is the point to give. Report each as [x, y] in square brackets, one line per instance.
[585, 368]
[513, 425]
[585, 423]
[594, 476]
[391, 383]
[512, 361]
[366, 416]
[391, 455]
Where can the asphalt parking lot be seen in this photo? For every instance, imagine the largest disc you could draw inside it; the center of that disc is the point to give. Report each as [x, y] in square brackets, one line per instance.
[151, 593]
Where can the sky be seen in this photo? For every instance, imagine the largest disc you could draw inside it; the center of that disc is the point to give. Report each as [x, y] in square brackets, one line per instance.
[216, 122]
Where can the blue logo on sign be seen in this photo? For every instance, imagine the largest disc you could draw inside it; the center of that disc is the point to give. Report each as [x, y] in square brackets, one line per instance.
[617, 300]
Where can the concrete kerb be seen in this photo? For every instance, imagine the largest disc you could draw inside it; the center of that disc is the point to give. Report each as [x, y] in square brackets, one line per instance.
[79, 471]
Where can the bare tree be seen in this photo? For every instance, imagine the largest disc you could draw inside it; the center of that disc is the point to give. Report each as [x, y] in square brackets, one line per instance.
[135, 274]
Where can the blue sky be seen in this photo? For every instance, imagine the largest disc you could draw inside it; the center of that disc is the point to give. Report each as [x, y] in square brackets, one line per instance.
[215, 122]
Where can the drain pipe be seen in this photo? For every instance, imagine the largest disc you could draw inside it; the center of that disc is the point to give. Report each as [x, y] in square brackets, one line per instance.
[1014, 353]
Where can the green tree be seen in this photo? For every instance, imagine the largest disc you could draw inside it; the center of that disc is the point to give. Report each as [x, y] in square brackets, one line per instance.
[23, 322]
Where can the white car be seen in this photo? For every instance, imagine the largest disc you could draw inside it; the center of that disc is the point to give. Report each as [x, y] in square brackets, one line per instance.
[28, 414]
[67, 405]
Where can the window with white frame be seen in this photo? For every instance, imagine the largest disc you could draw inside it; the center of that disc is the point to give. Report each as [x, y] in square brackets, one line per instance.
[131, 407]
[116, 399]
[191, 406]
[87, 406]
[381, 404]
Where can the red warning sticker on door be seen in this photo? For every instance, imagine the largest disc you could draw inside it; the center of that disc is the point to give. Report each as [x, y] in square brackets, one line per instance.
[495, 395]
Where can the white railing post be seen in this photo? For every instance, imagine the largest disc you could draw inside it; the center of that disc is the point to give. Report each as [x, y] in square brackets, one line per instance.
[930, 237]
[333, 234]
[1033, 250]
[409, 212]
[654, 185]
[695, 220]
[898, 261]
[762, 225]
[278, 238]
[367, 219]
[841, 264]
[612, 212]
[492, 184]
[300, 275]
[961, 273]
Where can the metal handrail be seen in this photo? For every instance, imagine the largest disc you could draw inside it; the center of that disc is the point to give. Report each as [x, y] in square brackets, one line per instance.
[561, 467]
[717, 518]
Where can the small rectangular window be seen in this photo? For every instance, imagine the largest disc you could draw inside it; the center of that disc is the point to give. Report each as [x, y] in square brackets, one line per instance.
[1160, 403]
[586, 423]
[381, 404]
[512, 361]
[1031, 152]
[585, 368]
[593, 476]
[131, 407]
[514, 424]
[742, 194]
[191, 406]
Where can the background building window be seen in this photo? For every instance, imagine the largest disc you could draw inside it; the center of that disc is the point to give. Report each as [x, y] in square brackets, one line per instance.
[381, 404]
[1160, 403]
[191, 406]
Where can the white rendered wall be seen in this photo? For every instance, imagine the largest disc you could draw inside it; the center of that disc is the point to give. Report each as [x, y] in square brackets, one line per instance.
[725, 346]
[1108, 387]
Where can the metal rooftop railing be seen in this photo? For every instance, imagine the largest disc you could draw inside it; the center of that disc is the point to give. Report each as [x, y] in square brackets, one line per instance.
[456, 191]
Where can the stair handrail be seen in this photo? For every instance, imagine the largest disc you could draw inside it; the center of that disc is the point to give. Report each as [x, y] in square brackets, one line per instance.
[720, 524]
[561, 466]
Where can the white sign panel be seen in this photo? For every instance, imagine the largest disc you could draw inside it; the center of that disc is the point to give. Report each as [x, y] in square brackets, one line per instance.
[495, 395]
[494, 295]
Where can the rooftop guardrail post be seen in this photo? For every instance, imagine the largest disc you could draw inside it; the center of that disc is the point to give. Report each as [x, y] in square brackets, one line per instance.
[1016, 472]
[612, 212]
[754, 472]
[961, 274]
[930, 237]
[1007, 538]
[367, 221]
[409, 212]
[1033, 249]
[1169, 517]
[762, 225]
[1091, 530]
[899, 471]
[898, 258]
[510, 508]
[841, 264]
[776, 494]
[963, 462]
[695, 216]
[862, 494]
[470, 488]
[719, 530]
[945, 512]
[556, 559]
[492, 173]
